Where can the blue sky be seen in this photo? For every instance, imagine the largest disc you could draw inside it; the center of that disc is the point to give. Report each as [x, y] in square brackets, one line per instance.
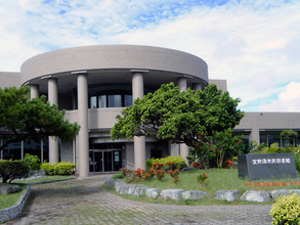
[253, 44]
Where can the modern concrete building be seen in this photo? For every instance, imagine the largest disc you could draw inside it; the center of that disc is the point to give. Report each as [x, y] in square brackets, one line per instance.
[94, 83]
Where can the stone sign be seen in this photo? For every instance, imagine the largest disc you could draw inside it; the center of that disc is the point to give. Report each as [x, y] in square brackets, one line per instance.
[264, 166]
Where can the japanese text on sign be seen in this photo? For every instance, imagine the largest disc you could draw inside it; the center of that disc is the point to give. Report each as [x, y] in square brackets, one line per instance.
[271, 161]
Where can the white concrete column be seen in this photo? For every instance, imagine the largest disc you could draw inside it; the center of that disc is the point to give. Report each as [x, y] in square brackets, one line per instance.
[83, 136]
[197, 86]
[53, 141]
[254, 136]
[34, 91]
[182, 84]
[184, 149]
[139, 142]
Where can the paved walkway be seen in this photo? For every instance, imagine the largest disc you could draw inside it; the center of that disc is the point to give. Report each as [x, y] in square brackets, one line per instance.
[83, 201]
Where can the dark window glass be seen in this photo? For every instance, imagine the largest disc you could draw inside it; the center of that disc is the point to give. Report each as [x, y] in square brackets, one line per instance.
[128, 100]
[93, 102]
[102, 101]
[12, 151]
[114, 101]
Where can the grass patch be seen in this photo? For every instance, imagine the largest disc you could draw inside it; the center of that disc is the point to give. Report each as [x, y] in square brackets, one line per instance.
[218, 179]
[47, 178]
[7, 201]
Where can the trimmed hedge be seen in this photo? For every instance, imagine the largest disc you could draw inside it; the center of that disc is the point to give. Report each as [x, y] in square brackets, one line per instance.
[169, 159]
[12, 169]
[286, 210]
[61, 168]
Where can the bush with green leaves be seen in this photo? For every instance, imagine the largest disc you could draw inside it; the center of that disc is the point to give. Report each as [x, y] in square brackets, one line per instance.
[12, 169]
[49, 168]
[64, 168]
[61, 168]
[169, 159]
[286, 210]
[32, 161]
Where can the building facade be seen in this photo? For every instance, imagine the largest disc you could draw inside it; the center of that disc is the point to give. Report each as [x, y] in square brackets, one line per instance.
[94, 83]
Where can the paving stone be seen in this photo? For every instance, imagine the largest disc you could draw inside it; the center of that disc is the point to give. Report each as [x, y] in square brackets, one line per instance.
[228, 195]
[173, 194]
[256, 196]
[83, 201]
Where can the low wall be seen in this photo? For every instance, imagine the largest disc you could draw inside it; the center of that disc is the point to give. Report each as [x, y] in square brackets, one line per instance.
[14, 211]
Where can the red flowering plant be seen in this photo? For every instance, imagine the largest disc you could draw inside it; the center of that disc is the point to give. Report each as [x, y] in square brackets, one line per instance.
[144, 175]
[202, 177]
[175, 175]
[139, 173]
[125, 172]
[160, 174]
[172, 165]
[229, 164]
[196, 165]
[202, 151]
[158, 166]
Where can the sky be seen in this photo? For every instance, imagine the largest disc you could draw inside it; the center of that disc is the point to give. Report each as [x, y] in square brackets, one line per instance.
[253, 44]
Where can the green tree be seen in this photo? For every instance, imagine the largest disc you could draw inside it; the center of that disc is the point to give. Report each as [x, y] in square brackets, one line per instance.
[26, 118]
[289, 137]
[180, 117]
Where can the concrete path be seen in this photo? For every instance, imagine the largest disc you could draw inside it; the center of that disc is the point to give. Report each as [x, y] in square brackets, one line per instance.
[83, 201]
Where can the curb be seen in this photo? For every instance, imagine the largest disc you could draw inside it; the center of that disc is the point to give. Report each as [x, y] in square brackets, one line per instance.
[14, 211]
[49, 181]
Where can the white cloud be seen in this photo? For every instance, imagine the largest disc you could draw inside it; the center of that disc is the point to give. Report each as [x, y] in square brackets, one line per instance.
[288, 100]
[254, 45]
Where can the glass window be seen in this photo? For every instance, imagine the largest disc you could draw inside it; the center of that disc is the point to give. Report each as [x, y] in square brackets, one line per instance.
[128, 100]
[114, 101]
[32, 148]
[272, 138]
[12, 151]
[263, 138]
[102, 101]
[93, 102]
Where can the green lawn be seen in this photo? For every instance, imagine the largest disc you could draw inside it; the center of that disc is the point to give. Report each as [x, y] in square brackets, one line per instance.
[218, 179]
[9, 200]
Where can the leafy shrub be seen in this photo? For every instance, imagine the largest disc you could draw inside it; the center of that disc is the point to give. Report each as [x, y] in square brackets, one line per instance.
[12, 169]
[202, 177]
[196, 165]
[160, 174]
[175, 175]
[118, 175]
[286, 210]
[49, 168]
[169, 159]
[32, 161]
[64, 168]
[61, 168]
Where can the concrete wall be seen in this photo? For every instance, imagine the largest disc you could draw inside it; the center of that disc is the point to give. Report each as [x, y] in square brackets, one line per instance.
[10, 79]
[221, 84]
[259, 121]
[113, 57]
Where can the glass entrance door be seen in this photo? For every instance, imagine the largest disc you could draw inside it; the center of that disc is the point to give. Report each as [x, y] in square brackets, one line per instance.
[105, 160]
